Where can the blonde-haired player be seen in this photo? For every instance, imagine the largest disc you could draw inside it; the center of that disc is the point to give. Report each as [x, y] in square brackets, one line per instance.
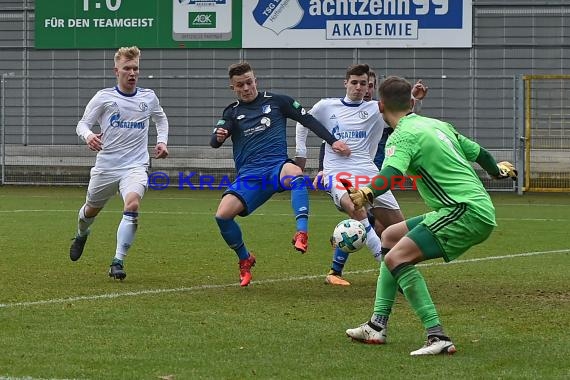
[123, 113]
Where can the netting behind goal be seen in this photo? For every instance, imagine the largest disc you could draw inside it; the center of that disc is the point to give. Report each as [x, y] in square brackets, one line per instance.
[547, 132]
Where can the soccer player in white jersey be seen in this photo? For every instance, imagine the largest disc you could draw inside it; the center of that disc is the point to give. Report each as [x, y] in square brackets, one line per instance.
[360, 125]
[123, 113]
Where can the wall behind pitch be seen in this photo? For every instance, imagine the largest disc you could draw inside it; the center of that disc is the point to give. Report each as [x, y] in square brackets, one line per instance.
[472, 88]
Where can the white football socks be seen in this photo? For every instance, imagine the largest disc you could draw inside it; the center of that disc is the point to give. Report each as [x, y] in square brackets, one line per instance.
[83, 222]
[372, 240]
[126, 234]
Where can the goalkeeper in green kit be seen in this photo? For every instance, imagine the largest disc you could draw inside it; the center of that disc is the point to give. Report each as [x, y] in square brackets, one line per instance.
[463, 213]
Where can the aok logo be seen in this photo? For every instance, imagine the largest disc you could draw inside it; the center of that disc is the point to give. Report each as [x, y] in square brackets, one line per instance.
[202, 19]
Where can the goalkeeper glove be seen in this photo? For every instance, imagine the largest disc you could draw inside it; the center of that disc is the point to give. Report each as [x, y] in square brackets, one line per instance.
[506, 170]
[359, 197]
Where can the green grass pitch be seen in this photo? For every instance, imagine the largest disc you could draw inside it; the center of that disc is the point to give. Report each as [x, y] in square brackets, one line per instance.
[180, 313]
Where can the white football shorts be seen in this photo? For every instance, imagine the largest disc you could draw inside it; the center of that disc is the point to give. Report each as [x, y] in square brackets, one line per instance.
[104, 184]
[386, 200]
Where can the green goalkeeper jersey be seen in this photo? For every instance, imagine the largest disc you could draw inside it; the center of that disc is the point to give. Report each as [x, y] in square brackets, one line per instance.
[433, 150]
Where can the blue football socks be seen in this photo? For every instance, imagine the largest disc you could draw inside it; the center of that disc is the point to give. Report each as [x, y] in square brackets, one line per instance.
[339, 259]
[232, 235]
[300, 202]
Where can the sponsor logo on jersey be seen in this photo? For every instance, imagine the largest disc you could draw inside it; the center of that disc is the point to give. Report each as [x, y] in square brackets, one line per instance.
[264, 124]
[114, 119]
[116, 122]
[333, 116]
[340, 135]
[240, 117]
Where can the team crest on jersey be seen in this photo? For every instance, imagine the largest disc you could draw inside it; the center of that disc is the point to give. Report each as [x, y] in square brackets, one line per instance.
[363, 115]
[390, 151]
[143, 106]
[266, 108]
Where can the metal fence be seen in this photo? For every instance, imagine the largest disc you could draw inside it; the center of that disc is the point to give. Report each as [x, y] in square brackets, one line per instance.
[39, 115]
[480, 90]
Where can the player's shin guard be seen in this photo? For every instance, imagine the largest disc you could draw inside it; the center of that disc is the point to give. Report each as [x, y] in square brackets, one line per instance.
[83, 222]
[372, 240]
[232, 235]
[300, 203]
[416, 292]
[126, 233]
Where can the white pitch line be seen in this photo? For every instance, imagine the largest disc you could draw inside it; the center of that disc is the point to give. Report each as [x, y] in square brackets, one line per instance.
[29, 378]
[260, 282]
[319, 215]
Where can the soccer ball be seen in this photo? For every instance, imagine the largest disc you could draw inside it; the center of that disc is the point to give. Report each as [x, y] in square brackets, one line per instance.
[349, 236]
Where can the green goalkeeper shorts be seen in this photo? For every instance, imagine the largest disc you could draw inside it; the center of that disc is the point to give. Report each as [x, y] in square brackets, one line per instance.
[448, 232]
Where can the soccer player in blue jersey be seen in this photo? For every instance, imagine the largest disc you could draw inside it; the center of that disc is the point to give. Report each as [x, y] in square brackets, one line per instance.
[419, 87]
[420, 90]
[257, 123]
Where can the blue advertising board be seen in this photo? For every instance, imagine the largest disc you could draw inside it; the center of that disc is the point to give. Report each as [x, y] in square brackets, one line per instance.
[357, 23]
